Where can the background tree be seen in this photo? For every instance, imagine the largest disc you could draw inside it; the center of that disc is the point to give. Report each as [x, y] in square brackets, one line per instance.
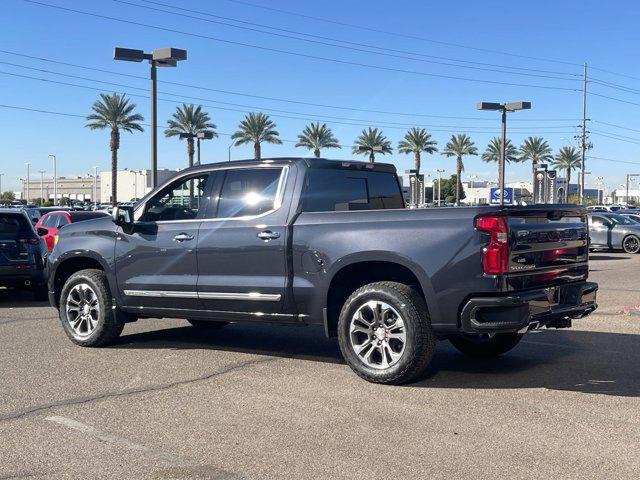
[537, 150]
[7, 197]
[416, 141]
[369, 140]
[256, 128]
[315, 137]
[448, 189]
[116, 113]
[567, 159]
[492, 154]
[189, 120]
[459, 146]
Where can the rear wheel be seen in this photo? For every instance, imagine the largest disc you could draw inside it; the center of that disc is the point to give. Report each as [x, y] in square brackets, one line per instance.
[485, 345]
[207, 324]
[631, 244]
[86, 310]
[385, 333]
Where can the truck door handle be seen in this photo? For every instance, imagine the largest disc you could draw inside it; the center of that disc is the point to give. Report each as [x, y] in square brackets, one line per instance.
[182, 237]
[268, 235]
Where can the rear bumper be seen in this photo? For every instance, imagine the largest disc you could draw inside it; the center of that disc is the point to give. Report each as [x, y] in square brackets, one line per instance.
[551, 307]
[11, 276]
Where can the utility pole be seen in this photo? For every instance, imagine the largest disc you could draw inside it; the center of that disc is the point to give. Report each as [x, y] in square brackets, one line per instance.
[27, 164]
[41, 172]
[584, 131]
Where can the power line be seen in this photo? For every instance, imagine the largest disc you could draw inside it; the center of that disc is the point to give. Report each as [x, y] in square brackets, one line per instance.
[402, 35]
[302, 55]
[323, 40]
[616, 126]
[617, 135]
[279, 113]
[277, 99]
[613, 160]
[601, 134]
[614, 98]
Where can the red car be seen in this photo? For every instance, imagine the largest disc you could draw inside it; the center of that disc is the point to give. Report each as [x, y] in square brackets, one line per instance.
[49, 224]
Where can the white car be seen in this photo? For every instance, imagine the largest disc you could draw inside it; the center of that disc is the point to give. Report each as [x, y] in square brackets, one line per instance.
[606, 208]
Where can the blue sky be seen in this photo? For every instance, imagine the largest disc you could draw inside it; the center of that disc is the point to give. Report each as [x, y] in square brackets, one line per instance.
[498, 36]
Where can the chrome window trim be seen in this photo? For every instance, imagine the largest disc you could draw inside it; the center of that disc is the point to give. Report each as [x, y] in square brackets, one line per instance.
[251, 296]
[277, 202]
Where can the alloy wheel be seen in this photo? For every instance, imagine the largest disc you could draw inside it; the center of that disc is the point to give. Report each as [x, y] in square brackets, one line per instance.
[83, 310]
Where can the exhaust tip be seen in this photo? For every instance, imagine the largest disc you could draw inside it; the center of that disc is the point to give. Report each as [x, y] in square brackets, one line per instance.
[27, 283]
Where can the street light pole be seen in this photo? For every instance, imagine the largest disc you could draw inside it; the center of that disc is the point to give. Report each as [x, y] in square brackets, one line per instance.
[439, 171]
[55, 181]
[630, 176]
[95, 187]
[229, 149]
[41, 172]
[1, 175]
[27, 164]
[503, 108]
[164, 57]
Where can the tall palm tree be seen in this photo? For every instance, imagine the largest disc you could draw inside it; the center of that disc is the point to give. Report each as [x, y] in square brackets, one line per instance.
[114, 112]
[537, 150]
[416, 141]
[459, 146]
[316, 136]
[567, 159]
[371, 141]
[256, 128]
[492, 154]
[188, 121]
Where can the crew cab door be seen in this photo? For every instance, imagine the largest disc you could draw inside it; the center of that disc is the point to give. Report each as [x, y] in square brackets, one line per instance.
[242, 245]
[156, 264]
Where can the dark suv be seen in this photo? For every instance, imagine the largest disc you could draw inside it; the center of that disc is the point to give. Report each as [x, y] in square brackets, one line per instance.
[22, 253]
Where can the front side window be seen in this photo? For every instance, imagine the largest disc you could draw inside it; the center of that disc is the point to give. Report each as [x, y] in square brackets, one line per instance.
[48, 221]
[62, 221]
[180, 200]
[249, 192]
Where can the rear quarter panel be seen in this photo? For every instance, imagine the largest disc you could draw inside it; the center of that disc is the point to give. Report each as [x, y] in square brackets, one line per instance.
[440, 247]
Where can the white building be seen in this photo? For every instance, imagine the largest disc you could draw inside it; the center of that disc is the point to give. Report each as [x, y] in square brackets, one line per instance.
[479, 193]
[620, 195]
[131, 184]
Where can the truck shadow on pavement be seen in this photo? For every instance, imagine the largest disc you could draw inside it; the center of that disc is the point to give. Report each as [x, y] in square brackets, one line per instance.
[570, 360]
[15, 298]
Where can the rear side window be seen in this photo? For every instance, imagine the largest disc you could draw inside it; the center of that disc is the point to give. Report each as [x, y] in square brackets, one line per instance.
[249, 192]
[62, 221]
[13, 225]
[332, 190]
[48, 221]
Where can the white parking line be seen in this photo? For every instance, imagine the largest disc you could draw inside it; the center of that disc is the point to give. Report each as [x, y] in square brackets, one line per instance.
[115, 440]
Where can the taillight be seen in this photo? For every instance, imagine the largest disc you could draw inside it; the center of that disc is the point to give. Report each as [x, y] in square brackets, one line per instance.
[30, 241]
[495, 254]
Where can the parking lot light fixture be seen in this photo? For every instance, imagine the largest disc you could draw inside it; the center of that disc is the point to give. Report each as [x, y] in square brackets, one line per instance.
[504, 108]
[439, 171]
[204, 135]
[163, 57]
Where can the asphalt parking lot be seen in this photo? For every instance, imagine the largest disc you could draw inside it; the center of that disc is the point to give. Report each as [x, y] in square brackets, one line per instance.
[254, 401]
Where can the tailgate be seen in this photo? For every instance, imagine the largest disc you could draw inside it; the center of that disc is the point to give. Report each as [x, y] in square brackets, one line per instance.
[547, 246]
[12, 252]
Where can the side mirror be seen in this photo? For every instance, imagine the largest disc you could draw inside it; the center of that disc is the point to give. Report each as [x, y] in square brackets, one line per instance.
[123, 217]
[42, 231]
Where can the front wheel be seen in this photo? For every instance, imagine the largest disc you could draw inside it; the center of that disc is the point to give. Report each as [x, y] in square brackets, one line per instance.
[385, 333]
[87, 312]
[631, 244]
[485, 345]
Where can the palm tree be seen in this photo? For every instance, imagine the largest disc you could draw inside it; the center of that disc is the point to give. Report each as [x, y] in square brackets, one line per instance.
[492, 154]
[371, 141]
[568, 159]
[416, 141]
[114, 112]
[537, 150]
[316, 136]
[458, 146]
[187, 122]
[256, 128]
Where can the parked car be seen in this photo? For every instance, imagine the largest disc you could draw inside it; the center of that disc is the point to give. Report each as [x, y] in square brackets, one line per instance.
[21, 253]
[606, 208]
[632, 214]
[612, 231]
[50, 223]
[328, 243]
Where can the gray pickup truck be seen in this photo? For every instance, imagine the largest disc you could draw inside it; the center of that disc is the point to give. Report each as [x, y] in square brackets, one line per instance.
[313, 241]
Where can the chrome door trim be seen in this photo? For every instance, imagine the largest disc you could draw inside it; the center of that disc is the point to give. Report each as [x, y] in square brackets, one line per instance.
[251, 296]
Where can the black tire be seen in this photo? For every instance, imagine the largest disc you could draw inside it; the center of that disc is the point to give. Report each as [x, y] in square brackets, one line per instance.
[419, 345]
[631, 244]
[109, 320]
[207, 324]
[485, 346]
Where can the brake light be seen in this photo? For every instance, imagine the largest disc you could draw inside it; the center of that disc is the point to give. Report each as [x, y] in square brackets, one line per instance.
[495, 254]
[30, 241]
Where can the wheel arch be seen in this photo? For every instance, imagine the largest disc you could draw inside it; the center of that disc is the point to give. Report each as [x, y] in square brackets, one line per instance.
[358, 270]
[70, 264]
